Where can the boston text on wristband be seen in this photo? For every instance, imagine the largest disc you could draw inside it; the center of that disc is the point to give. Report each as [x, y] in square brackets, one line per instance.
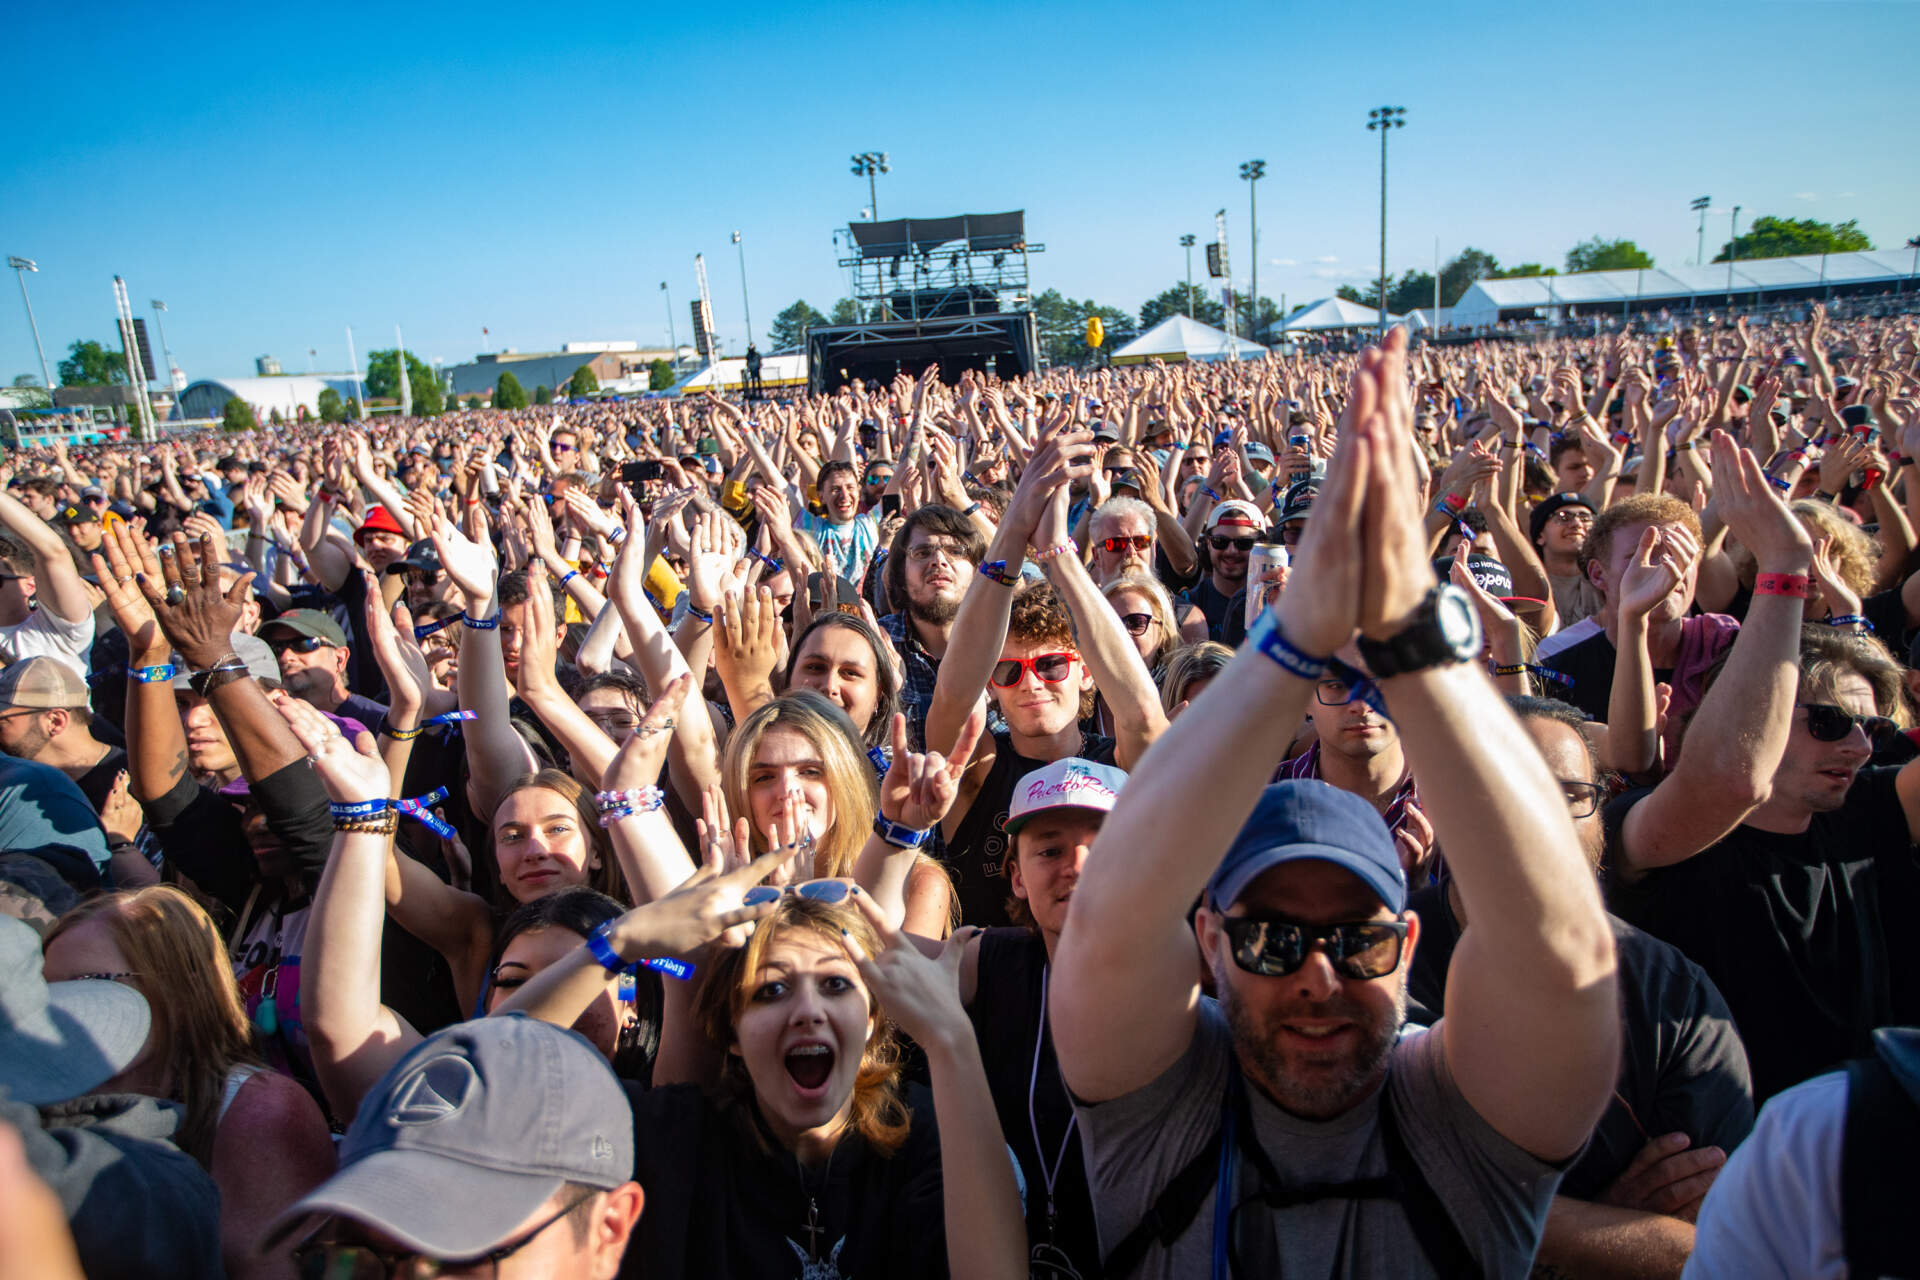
[153, 675]
[358, 808]
[426, 629]
[480, 624]
[601, 949]
[1267, 639]
[1783, 584]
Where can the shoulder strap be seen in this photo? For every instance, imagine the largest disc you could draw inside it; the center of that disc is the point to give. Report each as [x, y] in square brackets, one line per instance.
[1876, 1182]
[1173, 1210]
[1433, 1226]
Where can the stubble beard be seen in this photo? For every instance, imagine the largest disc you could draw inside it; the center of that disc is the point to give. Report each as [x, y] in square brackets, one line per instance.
[1312, 1089]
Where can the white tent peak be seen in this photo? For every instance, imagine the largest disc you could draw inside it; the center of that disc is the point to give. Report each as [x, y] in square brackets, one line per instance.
[1181, 337]
[1334, 313]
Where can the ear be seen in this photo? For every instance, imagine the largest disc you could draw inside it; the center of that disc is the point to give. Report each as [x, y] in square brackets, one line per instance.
[1014, 877]
[1413, 941]
[613, 1224]
[1206, 929]
[1597, 574]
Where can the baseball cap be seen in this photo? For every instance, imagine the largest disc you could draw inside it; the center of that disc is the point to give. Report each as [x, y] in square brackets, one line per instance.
[1105, 431]
[1298, 500]
[94, 491]
[310, 622]
[1537, 522]
[1072, 783]
[42, 682]
[471, 1132]
[60, 1039]
[1257, 452]
[71, 514]
[1859, 415]
[261, 664]
[379, 520]
[422, 555]
[1307, 818]
[1488, 573]
[1234, 509]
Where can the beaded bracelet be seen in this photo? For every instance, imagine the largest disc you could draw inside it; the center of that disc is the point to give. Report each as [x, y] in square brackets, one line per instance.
[1069, 547]
[617, 805]
[384, 824]
[998, 572]
[153, 675]
[1797, 585]
[480, 624]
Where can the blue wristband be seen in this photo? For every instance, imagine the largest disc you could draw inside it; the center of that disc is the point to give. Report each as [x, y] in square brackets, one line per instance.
[898, 836]
[153, 675]
[603, 950]
[359, 809]
[480, 624]
[426, 629]
[569, 576]
[1266, 637]
[697, 613]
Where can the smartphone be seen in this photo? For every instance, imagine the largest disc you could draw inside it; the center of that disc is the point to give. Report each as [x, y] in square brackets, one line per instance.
[635, 474]
[889, 504]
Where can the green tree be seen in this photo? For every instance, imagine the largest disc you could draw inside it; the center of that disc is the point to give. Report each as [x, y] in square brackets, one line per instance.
[1462, 270]
[238, 415]
[1413, 289]
[473, 402]
[1525, 269]
[508, 393]
[1607, 255]
[583, 382]
[332, 409]
[1172, 301]
[88, 364]
[846, 311]
[1769, 238]
[542, 394]
[383, 381]
[659, 376]
[1063, 327]
[790, 326]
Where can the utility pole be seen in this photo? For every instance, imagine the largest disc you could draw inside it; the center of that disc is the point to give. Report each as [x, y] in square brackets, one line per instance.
[745, 305]
[1386, 120]
[1700, 206]
[20, 268]
[1252, 171]
[1733, 251]
[1186, 242]
[673, 356]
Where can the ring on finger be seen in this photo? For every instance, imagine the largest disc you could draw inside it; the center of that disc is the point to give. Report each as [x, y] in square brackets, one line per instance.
[175, 594]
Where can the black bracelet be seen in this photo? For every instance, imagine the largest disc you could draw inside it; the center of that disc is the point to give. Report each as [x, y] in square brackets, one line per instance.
[971, 511]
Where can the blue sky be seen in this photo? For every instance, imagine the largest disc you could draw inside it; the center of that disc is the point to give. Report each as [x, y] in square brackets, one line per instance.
[276, 173]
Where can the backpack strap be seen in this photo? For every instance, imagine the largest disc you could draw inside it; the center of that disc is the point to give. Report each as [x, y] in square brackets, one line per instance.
[1173, 1210]
[1433, 1226]
[1876, 1181]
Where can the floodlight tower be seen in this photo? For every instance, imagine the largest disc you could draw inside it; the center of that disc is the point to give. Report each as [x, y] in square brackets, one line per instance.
[1386, 120]
[1700, 205]
[1252, 171]
[1186, 242]
[20, 268]
[868, 163]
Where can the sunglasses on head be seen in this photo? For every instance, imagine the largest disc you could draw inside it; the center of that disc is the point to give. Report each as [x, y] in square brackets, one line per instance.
[1051, 668]
[299, 644]
[1276, 948]
[1238, 544]
[812, 890]
[1132, 542]
[1829, 723]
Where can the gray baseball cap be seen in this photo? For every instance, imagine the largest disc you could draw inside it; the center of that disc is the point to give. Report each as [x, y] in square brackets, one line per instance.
[60, 1039]
[473, 1131]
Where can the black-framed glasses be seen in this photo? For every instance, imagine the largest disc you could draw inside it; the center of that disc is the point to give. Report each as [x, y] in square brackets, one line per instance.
[1221, 544]
[1136, 623]
[299, 644]
[1829, 723]
[1051, 668]
[828, 891]
[335, 1260]
[1583, 797]
[1127, 542]
[1363, 950]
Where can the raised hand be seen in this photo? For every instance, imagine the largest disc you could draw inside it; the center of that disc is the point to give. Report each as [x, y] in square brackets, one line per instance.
[398, 654]
[641, 757]
[714, 550]
[348, 776]
[188, 604]
[1398, 573]
[746, 639]
[128, 558]
[1841, 599]
[919, 789]
[1754, 513]
[919, 992]
[469, 562]
[1654, 571]
[705, 906]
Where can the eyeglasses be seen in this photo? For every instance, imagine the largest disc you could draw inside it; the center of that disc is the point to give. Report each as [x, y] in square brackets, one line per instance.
[1136, 623]
[1290, 533]
[1276, 948]
[1571, 515]
[299, 644]
[1829, 723]
[924, 552]
[812, 890]
[1337, 693]
[614, 723]
[1130, 542]
[1238, 544]
[1050, 668]
[1583, 798]
[333, 1260]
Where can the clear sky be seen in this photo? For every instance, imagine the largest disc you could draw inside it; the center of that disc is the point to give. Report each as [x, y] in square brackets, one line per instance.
[277, 173]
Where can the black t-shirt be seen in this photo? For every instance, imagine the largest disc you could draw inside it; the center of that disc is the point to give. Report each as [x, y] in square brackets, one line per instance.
[1794, 929]
[1884, 611]
[726, 1202]
[1682, 1067]
[1028, 1092]
[1590, 664]
[1207, 598]
[97, 783]
[976, 856]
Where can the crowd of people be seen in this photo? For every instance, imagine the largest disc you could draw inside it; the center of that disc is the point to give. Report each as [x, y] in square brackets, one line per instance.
[1468, 793]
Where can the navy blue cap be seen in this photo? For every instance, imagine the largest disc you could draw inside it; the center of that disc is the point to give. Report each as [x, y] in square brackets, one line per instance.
[1307, 818]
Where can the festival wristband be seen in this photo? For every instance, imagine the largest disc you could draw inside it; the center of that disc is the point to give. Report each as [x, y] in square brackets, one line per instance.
[602, 950]
[1797, 585]
[1211, 494]
[426, 629]
[997, 570]
[1848, 620]
[480, 624]
[153, 675]
[1266, 637]
[569, 576]
[416, 809]
[445, 717]
[1064, 548]
[877, 757]
[359, 808]
[898, 836]
[695, 612]
[1781, 483]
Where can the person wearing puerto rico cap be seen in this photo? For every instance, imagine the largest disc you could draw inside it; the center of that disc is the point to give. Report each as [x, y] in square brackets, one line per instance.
[1055, 814]
[1232, 528]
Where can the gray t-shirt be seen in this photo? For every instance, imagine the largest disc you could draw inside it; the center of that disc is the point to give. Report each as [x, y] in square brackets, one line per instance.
[1496, 1194]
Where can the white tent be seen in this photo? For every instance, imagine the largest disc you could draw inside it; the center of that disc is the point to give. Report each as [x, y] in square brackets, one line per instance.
[730, 374]
[1482, 304]
[1334, 313]
[1181, 337]
[1427, 318]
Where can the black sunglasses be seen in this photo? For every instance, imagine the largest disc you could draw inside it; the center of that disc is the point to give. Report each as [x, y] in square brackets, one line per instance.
[1238, 544]
[1829, 723]
[300, 644]
[1275, 948]
[1136, 623]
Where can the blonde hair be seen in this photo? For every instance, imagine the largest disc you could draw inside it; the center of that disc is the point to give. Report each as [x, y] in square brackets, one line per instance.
[879, 1116]
[849, 776]
[1201, 660]
[200, 1030]
[1159, 603]
[1852, 551]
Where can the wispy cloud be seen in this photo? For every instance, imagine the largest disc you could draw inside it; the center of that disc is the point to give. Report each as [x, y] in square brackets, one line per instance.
[1329, 258]
[1282, 262]
[1846, 195]
[1806, 195]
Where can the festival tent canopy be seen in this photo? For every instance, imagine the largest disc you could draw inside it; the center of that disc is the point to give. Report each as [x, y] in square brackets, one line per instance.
[1334, 313]
[1181, 337]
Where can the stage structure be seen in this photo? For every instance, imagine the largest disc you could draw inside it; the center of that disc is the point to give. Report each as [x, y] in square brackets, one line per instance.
[947, 290]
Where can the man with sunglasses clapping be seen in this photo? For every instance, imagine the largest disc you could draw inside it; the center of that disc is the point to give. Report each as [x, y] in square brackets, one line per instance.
[1288, 1127]
[1773, 856]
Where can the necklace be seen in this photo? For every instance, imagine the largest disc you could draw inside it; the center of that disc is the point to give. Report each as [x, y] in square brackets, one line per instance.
[1050, 1174]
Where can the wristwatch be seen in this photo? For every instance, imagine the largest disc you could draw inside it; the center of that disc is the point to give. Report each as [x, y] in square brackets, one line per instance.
[1445, 628]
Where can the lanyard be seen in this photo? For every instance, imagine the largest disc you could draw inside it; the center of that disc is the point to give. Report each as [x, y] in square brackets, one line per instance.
[1223, 1181]
[1049, 1175]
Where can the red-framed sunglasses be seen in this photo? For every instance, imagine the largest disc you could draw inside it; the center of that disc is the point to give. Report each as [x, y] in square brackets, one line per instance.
[1132, 542]
[1050, 668]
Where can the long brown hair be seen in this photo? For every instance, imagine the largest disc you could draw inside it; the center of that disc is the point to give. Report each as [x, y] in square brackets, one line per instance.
[879, 1116]
[856, 793]
[606, 878]
[200, 1031]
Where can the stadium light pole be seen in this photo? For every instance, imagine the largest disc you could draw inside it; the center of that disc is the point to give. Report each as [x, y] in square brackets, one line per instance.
[1386, 120]
[1700, 205]
[868, 163]
[1252, 171]
[1733, 251]
[1913, 243]
[673, 342]
[1187, 242]
[744, 304]
[20, 268]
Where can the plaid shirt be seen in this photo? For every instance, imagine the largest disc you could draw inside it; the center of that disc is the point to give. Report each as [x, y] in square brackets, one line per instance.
[919, 671]
[1307, 765]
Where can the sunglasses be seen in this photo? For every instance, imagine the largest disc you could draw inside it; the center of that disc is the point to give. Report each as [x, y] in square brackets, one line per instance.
[300, 644]
[1136, 623]
[1276, 948]
[1290, 533]
[812, 890]
[1132, 542]
[1050, 668]
[1238, 544]
[1829, 723]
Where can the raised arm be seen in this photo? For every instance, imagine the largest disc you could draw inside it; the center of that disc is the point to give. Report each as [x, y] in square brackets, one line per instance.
[1632, 744]
[379, 488]
[1739, 733]
[57, 584]
[496, 755]
[156, 744]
